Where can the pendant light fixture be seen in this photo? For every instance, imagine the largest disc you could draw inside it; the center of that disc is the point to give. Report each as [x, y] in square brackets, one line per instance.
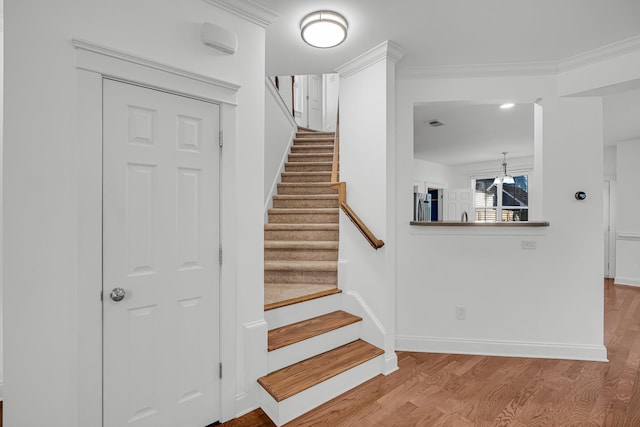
[323, 29]
[504, 177]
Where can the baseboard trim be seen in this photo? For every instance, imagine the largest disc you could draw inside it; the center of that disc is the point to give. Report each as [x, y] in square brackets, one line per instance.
[628, 281]
[390, 363]
[596, 353]
[244, 404]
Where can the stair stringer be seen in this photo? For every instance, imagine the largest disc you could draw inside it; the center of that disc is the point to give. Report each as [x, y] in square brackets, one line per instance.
[278, 178]
[275, 94]
[373, 331]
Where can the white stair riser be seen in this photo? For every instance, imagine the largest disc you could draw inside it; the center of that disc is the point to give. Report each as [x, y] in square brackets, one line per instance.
[302, 311]
[300, 351]
[295, 406]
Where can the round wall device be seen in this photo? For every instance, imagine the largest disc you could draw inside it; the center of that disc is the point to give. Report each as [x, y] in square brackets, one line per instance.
[581, 195]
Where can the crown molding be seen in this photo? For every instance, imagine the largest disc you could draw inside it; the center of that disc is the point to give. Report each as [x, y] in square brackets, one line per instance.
[387, 50]
[600, 54]
[248, 10]
[542, 68]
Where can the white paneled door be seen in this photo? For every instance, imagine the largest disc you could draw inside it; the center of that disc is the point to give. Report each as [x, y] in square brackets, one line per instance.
[457, 202]
[160, 258]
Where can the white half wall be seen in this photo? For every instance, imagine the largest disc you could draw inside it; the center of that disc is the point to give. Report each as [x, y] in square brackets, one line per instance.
[366, 165]
[627, 208]
[546, 302]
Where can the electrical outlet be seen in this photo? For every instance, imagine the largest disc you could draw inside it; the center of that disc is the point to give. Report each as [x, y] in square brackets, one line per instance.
[528, 244]
[461, 313]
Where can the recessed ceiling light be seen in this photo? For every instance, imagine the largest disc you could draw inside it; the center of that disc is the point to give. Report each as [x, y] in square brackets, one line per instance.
[323, 29]
[507, 105]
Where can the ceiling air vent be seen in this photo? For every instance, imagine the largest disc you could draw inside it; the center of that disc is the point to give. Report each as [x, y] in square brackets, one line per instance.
[434, 123]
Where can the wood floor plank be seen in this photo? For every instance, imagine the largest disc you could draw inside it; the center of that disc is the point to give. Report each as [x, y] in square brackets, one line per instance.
[293, 379]
[454, 390]
[300, 331]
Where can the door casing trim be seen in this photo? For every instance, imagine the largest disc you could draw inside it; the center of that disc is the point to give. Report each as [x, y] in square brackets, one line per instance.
[92, 66]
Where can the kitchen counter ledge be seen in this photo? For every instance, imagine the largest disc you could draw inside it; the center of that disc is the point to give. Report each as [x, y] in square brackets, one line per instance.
[481, 224]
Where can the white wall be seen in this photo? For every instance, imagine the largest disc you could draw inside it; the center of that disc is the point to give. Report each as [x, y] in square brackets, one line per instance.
[435, 174]
[286, 92]
[1, 198]
[43, 212]
[627, 208]
[366, 137]
[280, 129]
[546, 302]
[610, 162]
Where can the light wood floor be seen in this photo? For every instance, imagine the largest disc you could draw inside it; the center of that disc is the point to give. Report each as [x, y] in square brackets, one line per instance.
[457, 390]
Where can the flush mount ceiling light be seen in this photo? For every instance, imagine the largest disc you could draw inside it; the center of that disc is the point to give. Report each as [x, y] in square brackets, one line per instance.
[323, 29]
[507, 105]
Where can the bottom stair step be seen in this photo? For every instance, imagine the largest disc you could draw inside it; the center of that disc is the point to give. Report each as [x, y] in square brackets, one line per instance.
[294, 379]
[293, 391]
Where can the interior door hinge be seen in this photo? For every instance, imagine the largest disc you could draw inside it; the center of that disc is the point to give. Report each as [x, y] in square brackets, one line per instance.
[221, 139]
[220, 370]
[101, 296]
[220, 254]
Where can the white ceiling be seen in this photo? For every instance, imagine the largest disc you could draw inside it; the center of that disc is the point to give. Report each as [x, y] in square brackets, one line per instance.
[480, 132]
[472, 132]
[446, 33]
[451, 32]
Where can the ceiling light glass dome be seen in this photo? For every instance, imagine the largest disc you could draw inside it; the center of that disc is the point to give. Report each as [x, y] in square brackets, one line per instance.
[323, 29]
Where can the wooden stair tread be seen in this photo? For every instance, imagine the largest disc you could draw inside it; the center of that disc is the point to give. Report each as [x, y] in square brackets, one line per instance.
[301, 244]
[300, 331]
[294, 379]
[285, 265]
[302, 298]
[304, 227]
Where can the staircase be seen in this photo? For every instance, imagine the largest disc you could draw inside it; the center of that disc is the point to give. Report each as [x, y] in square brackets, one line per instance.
[315, 348]
[301, 238]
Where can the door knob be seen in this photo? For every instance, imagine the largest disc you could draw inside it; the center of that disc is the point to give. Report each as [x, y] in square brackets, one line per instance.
[117, 294]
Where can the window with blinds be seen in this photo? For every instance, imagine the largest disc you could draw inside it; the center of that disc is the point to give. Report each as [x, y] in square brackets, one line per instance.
[509, 202]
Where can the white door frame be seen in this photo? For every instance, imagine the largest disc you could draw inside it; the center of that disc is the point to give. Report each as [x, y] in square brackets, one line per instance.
[95, 62]
[612, 225]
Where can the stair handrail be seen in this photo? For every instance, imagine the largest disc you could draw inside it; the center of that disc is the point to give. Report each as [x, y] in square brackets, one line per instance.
[342, 194]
